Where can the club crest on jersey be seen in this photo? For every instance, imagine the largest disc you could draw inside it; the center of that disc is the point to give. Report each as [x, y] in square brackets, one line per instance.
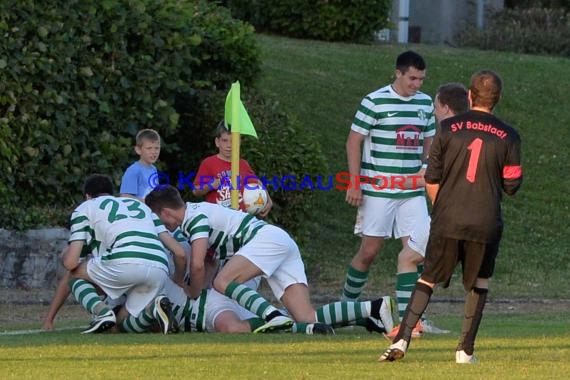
[422, 114]
[408, 137]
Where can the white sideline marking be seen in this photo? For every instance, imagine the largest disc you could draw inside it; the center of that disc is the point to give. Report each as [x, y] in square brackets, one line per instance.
[37, 331]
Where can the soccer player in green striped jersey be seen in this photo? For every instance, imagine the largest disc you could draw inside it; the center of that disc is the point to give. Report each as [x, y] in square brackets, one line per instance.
[254, 248]
[214, 312]
[388, 142]
[131, 260]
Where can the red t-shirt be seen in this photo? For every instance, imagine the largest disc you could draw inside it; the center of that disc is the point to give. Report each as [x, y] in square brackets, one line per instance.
[213, 168]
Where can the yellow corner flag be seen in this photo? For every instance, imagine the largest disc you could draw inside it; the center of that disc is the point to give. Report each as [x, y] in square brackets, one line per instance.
[236, 115]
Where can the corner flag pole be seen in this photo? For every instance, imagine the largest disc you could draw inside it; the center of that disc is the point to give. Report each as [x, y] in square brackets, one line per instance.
[236, 138]
[236, 115]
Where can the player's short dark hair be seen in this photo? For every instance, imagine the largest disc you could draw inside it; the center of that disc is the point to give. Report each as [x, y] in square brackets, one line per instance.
[453, 95]
[148, 135]
[486, 87]
[164, 197]
[221, 129]
[410, 59]
[98, 184]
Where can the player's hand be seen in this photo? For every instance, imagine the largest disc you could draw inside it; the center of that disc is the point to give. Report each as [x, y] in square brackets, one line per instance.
[354, 197]
[47, 325]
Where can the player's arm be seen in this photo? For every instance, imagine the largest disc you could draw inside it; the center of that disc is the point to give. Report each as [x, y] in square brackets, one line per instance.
[179, 256]
[415, 181]
[61, 293]
[433, 173]
[354, 157]
[198, 267]
[71, 256]
[427, 146]
[212, 267]
[512, 171]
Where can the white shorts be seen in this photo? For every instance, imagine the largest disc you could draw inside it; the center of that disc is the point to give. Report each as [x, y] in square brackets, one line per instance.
[206, 308]
[419, 237]
[386, 217]
[141, 283]
[274, 252]
[209, 306]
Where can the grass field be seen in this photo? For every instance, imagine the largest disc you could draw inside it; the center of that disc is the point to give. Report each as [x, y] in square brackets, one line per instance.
[321, 84]
[510, 347]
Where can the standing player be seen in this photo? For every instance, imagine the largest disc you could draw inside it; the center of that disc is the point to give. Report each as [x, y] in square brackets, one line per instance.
[390, 135]
[254, 248]
[132, 258]
[450, 100]
[475, 156]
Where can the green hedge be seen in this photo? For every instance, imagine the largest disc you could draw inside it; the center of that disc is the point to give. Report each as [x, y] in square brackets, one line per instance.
[79, 78]
[522, 30]
[328, 20]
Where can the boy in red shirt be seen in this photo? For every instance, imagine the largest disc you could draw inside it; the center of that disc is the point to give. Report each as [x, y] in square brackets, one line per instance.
[213, 180]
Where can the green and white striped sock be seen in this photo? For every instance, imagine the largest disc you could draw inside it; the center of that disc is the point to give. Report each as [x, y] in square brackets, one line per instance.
[142, 323]
[86, 294]
[354, 284]
[250, 299]
[343, 313]
[405, 283]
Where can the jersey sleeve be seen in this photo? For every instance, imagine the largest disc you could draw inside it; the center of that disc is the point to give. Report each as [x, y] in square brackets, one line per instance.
[512, 170]
[129, 183]
[80, 229]
[365, 118]
[196, 227]
[434, 170]
[160, 228]
[429, 131]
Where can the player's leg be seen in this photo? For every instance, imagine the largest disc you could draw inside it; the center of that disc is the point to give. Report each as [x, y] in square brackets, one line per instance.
[441, 258]
[145, 298]
[357, 272]
[181, 304]
[82, 288]
[228, 322]
[142, 284]
[476, 297]
[263, 255]
[336, 314]
[230, 282]
[372, 226]
[407, 275]
[412, 224]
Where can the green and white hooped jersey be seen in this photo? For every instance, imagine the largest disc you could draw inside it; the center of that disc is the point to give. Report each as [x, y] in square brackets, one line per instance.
[227, 230]
[124, 229]
[395, 128]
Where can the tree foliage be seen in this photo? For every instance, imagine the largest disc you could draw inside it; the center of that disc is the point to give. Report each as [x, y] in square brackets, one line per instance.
[79, 78]
[328, 20]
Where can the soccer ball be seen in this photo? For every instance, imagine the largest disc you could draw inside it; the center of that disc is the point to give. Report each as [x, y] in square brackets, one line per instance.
[254, 198]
